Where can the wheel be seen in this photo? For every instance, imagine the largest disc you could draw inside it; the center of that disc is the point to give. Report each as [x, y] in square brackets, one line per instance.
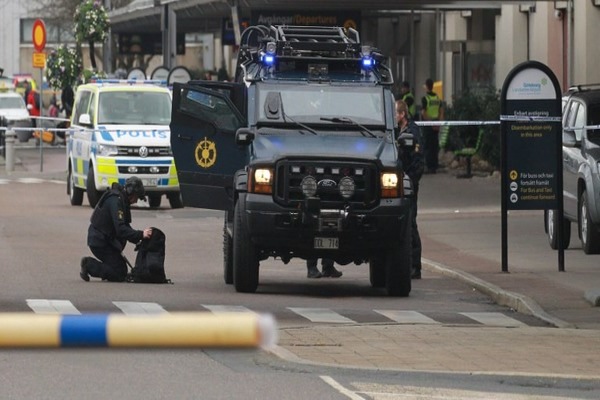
[227, 252]
[93, 194]
[245, 260]
[175, 200]
[551, 217]
[377, 272]
[398, 262]
[75, 193]
[154, 200]
[590, 239]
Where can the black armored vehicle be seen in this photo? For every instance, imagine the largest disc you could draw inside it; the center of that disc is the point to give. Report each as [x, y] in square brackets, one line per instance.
[300, 152]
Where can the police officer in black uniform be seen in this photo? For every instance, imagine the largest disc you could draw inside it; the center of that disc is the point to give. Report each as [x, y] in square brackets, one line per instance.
[110, 230]
[413, 165]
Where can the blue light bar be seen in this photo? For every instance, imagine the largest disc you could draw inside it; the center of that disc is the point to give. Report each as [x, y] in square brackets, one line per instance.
[268, 59]
[368, 62]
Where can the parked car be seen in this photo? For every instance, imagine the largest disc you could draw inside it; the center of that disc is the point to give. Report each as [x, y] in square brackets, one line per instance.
[581, 177]
[13, 108]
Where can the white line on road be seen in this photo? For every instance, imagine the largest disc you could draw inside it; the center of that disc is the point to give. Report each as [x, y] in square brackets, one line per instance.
[406, 317]
[216, 308]
[44, 306]
[494, 319]
[324, 315]
[133, 307]
[346, 392]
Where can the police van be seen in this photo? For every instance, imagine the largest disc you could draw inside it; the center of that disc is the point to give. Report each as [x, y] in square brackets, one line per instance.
[120, 129]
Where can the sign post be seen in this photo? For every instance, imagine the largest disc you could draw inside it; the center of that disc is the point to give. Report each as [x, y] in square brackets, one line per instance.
[531, 126]
[39, 61]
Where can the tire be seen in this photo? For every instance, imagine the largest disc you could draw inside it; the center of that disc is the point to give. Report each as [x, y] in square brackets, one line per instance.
[398, 263]
[154, 200]
[245, 260]
[175, 200]
[227, 253]
[551, 221]
[75, 193]
[93, 194]
[590, 239]
[377, 272]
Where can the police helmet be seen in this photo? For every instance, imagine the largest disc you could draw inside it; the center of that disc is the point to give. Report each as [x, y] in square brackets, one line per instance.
[134, 185]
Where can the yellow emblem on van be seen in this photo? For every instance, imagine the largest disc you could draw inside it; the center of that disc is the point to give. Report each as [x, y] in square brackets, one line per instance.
[206, 153]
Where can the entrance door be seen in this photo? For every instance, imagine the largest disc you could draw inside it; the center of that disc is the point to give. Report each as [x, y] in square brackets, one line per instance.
[204, 120]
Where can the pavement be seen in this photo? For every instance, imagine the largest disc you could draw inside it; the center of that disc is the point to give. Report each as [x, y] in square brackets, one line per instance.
[569, 302]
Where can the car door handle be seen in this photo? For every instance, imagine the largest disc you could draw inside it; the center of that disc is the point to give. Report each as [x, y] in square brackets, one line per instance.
[184, 137]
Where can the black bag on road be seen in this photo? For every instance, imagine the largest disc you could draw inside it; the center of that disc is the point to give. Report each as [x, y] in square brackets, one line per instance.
[150, 260]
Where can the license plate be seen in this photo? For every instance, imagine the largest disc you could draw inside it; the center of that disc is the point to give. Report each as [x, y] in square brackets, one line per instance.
[150, 181]
[327, 243]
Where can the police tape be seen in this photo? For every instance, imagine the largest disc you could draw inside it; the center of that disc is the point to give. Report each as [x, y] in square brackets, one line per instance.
[184, 329]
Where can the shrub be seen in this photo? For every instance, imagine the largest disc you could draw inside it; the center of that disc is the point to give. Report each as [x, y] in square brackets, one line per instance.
[477, 105]
[63, 67]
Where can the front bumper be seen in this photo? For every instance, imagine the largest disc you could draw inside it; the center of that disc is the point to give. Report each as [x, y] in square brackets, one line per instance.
[360, 233]
[118, 169]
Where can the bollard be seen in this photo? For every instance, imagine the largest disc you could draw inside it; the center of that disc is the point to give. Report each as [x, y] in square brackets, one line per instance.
[184, 329]
[9, 144]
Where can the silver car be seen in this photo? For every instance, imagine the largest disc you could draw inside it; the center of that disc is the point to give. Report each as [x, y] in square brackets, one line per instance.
[13, 108]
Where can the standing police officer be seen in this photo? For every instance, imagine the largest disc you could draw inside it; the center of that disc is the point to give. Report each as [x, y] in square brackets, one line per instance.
[413, 166]
[110, 230]
[431, 111]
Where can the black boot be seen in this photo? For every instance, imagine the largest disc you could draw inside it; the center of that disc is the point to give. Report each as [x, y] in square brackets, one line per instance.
[83, 273]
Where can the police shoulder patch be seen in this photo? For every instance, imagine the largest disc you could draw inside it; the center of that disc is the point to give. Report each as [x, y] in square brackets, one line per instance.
[120, 214]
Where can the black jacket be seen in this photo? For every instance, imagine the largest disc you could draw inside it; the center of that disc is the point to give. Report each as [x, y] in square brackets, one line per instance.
[412, 159]
[110, 222]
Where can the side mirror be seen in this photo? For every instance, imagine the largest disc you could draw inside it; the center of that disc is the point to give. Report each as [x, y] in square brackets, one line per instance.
[244, 136]
[569, 139]
[85, 120]
[406, 140]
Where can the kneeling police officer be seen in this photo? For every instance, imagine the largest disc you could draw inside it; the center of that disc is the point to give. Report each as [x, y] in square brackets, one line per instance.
[110, 230]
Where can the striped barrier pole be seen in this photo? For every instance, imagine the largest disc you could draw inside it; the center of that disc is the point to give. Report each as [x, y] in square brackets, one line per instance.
[201, 329]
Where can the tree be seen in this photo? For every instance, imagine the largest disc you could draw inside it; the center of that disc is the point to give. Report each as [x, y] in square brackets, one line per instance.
[91, 25]
[63, 67]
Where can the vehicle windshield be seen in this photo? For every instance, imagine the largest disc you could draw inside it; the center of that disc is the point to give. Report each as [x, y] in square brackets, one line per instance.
[11, 102]
[310, 103]
[134, 108]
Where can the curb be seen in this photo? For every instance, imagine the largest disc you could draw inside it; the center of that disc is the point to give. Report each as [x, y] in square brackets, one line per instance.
[516, 301]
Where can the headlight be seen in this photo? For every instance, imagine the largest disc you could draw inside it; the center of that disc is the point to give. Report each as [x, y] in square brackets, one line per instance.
[309, 186]
[389, 185]
[262, 181]
[107, 151]
[347, 187]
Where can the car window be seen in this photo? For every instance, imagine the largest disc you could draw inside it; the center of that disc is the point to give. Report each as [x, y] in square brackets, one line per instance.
[134, 108]
[579, 122]
[593, 119]
[82, 105]
[11, 102]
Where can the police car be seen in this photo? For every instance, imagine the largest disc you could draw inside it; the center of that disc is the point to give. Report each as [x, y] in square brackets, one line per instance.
[120, 129]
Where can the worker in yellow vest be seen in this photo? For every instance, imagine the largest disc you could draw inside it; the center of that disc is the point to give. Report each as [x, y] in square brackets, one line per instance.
[431, 110]
[408, 97]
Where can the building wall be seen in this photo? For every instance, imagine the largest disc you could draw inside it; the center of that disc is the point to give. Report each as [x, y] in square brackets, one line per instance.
[10, 14]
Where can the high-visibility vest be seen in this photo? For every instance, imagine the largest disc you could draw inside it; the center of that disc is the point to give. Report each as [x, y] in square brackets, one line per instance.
[433, 105]
[412, 109]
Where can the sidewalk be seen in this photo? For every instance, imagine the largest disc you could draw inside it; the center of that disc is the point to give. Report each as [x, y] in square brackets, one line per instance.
[536, 288]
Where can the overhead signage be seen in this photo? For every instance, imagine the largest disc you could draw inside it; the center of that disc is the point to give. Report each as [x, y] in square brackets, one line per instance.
[346, 18]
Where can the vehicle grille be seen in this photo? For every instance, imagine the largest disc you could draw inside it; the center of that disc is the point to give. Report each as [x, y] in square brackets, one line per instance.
[134, 151]
[289, 175]
[143, 170]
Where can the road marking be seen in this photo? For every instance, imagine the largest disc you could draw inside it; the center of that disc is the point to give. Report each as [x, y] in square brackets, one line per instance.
[30, 180]
[321, 315]
[494, 319]
[341, 389]
[133, 307]
[217, 308]
[43, 306]
[406, 317]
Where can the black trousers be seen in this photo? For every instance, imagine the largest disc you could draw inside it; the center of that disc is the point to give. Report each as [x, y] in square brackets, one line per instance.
[111, 266]
[431, 144]
[325, 263]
